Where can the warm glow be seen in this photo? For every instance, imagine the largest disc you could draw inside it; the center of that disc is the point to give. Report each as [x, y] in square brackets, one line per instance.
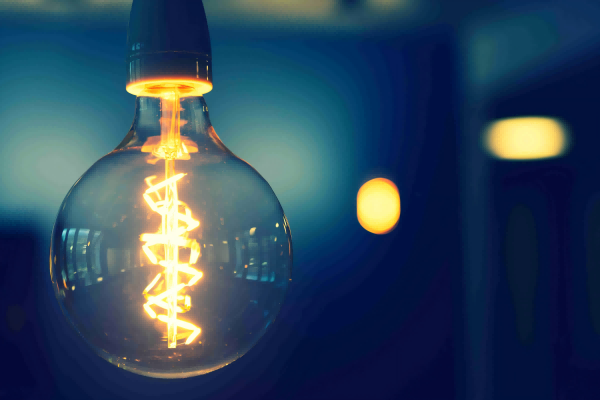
[378, 206]
[526, 138]
[163, 248]
[171, 238]
[156, 87]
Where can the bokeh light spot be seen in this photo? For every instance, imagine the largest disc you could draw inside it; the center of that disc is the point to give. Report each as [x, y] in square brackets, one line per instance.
[378, 206]
[526, 138]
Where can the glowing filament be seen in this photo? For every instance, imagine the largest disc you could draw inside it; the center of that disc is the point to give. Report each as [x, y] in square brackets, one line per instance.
[171, 237]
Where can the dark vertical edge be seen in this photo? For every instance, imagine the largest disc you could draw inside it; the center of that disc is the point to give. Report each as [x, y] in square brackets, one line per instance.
[473, 366]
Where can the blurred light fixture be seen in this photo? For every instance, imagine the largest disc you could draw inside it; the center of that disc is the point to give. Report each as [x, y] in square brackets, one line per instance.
[154, 234]
[378, 206]
[526, 138]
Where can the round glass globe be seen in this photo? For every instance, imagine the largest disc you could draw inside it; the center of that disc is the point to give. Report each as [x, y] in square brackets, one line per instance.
[166, 300]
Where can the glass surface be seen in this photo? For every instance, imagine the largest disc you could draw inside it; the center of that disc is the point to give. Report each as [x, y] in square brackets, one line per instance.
[178, 279]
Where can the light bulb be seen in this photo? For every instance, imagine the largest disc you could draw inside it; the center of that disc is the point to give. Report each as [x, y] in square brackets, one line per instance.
[170, 256]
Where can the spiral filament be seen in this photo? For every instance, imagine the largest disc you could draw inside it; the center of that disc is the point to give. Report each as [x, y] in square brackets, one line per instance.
[171, 238]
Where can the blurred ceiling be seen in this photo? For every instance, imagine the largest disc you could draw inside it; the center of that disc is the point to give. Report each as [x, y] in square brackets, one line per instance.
[344, 15]
[515, 43]
[503, 42]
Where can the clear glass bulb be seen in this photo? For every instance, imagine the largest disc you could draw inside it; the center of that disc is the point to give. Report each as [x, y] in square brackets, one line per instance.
[170, 255]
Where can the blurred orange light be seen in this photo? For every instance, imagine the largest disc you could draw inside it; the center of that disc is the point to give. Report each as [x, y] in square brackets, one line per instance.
[526, 138]
[378, 206]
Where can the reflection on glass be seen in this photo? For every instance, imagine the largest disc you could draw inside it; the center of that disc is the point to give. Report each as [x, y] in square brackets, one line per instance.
[69, 252]
[95, 259]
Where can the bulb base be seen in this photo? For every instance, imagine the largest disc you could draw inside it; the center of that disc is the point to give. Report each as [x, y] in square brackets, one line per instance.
[151, 73]
[168, 43]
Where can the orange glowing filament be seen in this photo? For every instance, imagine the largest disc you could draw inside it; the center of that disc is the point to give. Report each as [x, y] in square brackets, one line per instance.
[171, 236]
